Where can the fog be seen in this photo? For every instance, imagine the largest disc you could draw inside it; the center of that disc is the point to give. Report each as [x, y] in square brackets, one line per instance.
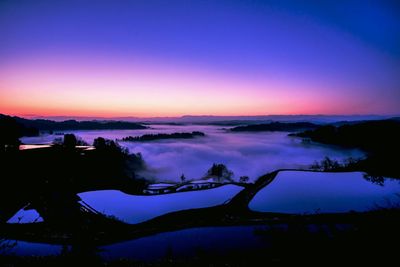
[250, 154]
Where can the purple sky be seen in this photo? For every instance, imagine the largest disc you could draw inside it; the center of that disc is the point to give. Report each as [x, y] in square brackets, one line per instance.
[168, 58]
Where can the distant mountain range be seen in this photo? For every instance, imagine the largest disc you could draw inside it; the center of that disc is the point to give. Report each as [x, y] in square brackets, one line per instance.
[61, 123]
[276, 127]
[224, 120]
[23, 127]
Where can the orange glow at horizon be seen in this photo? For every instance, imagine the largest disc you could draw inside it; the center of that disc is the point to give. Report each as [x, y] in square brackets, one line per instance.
[77, 87]
[142, 59]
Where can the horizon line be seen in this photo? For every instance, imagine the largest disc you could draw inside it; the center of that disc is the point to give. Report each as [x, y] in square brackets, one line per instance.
[30, 116]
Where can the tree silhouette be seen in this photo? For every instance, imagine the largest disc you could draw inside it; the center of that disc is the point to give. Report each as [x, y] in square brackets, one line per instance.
[244, 179]
[70, 141]
[220, 172]
[183, 178]
[11, 131]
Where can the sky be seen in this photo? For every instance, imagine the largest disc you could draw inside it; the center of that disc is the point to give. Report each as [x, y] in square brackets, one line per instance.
[173, 58]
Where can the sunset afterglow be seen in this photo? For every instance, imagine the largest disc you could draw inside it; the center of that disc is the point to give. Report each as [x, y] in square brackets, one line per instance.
[138, 59]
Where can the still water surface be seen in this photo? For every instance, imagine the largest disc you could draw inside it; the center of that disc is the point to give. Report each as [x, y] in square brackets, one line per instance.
[310, 192]
[136, 209]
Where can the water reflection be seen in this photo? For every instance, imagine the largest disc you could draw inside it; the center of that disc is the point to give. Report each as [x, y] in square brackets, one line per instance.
[23, 248]
[187, 243]
[135, 209]
[309, 192]
[26, 216]
[27, 147]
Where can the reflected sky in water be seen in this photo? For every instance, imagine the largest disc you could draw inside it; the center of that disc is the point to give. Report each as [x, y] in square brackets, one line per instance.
[23, 248]
[309, 192]
[187, 243]
[26, 216]
[135, 209]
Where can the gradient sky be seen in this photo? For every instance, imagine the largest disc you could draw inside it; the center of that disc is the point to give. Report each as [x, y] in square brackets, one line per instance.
[171, 58]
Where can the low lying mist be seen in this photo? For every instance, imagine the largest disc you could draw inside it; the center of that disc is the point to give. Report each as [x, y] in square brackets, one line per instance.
[246, 154]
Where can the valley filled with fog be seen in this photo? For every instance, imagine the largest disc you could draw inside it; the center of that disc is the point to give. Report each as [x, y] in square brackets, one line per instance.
[245, 153]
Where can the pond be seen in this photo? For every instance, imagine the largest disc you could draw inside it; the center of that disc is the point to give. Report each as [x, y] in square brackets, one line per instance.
[136, 209]
[26, 216]
[310, 192]
[23, 248]
[187, 243]
[181, 244]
